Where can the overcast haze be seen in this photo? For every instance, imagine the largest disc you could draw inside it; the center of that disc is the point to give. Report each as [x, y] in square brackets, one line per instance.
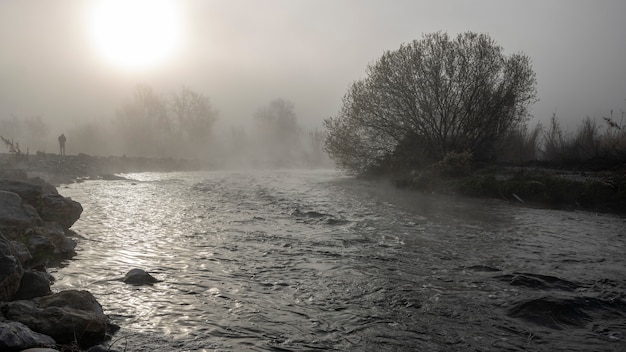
[242, 54]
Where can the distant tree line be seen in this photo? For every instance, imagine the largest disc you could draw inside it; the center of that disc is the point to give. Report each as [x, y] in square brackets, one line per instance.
[150, 124]
[276, 139]
[182, 125]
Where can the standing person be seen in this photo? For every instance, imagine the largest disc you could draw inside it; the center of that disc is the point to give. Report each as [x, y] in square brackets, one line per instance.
[62, 140]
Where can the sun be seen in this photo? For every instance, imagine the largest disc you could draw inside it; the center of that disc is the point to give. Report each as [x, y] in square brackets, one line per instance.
[135, 34]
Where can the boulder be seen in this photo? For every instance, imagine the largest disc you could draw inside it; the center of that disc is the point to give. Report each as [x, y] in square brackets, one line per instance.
[29, 192]
[139, 277]
[34, 284]
[68, 317]
[59, 209]
[21, 252]
[46, 188]
[39, 244]
[64, 246]
[48, 243]
[11, 270]
[15, 217]
[15, 336]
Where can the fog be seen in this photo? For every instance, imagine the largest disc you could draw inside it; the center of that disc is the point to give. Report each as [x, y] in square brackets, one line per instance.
[243, 55]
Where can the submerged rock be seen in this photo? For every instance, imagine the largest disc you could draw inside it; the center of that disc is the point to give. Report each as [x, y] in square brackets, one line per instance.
[482, 268]
[552, 312]
[139, 277]
[537, 281]
[562, 312]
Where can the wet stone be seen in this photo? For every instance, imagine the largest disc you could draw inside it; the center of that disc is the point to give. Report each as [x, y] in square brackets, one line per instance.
[559, 313]
[536, 281]
[139, 277]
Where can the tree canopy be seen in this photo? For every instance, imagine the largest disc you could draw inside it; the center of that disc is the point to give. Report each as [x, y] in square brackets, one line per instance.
[429, 98]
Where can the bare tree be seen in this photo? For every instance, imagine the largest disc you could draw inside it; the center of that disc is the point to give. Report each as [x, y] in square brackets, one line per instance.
[278, 132]
[316, 154]
[195, 117]
[12, 146]
[143, 123]
[431, 97]
[31, 131]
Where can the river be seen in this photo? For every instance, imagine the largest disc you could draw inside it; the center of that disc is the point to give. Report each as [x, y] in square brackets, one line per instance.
[310, 260]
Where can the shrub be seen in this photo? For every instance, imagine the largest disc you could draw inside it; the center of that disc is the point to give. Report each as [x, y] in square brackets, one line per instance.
[448, 94]
[455, 164]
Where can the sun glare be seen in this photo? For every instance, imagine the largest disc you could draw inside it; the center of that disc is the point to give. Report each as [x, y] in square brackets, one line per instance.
[135, 34]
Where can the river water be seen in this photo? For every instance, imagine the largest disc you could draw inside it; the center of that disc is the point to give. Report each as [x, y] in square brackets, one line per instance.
[313, 260]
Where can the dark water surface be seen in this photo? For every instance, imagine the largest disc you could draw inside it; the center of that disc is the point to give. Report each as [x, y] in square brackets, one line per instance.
[311, 260]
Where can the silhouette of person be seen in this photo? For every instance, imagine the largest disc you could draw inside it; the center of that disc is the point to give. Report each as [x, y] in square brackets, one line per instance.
[62, 140]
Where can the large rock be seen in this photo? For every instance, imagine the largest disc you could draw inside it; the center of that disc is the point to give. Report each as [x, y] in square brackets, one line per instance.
[29, 192]
[39, 244]
[21, 252]
[15, 336]
[15, 217]
[64, 246]
[68, 317]
[59, 209]
[34, 284]
[47, 243]
[11, 270]
[46, 188]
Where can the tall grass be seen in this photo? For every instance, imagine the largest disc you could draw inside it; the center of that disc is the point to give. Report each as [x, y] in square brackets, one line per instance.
[522, 144]
[592, 141]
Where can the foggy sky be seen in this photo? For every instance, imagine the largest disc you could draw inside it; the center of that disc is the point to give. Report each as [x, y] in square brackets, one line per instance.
[244, 53]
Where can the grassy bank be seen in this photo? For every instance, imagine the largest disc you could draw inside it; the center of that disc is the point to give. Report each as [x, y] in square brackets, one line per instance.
[583, 187]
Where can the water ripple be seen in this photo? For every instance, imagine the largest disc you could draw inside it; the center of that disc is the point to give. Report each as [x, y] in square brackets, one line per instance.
[311, 260]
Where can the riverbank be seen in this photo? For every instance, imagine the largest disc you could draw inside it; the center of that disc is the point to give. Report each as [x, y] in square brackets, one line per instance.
[35, 234]
[57, 169]
[598, 187]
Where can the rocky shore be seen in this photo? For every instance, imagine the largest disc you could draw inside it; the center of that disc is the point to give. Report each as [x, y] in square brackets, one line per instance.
[57, 169]
[35, 234]
[35, 222]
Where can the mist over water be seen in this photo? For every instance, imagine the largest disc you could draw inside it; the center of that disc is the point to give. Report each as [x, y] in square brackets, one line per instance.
[307, 260]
